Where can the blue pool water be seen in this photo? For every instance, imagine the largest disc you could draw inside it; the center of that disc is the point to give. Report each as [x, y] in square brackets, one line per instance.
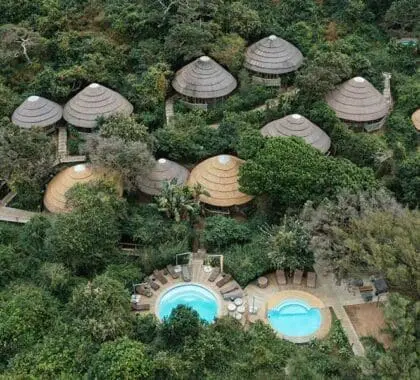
[295, 318]
[197, 297]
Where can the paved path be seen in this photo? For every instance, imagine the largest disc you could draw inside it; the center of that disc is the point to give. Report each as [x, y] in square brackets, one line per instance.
[9, 214]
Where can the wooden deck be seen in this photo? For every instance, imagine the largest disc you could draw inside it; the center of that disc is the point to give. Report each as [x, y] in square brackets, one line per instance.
[14, 215]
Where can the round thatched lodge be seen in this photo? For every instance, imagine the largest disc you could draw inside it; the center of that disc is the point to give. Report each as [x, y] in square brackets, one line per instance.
[203, 82]
[94, 101]
[219, 177]
[299, 126]
[358, 103]
[55, 199]
[270, 58]
[163, 170]
[36, 111]
[415, 118]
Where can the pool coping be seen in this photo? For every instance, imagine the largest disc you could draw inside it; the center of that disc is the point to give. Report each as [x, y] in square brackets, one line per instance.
[312, 301]
[216, 296]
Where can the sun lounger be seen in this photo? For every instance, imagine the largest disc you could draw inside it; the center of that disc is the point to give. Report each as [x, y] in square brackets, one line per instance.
[229, 288]
[366, 288]
[224, 280]
[280, 277]
[160, 276]
[311, 280]
[233, 295]
[186, 275]
[140, 307]
[214, 274]
[297, 277]
[144, 290]
[172, 272]
[153, 284]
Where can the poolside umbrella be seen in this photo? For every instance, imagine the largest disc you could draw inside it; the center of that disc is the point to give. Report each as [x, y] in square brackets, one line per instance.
[300, 126]
[204, 79]
[219, 177]
[273, 55]
[356, 100]
[416, 120]
[55, 196]
[92, 102]
[37, 111]
[163, 170]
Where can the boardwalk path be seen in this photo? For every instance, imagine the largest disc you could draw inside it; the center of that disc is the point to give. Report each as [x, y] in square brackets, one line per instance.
[9, 214]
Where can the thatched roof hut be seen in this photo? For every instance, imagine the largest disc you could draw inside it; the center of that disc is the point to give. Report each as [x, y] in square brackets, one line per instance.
[203, 79]
[300, 126]
[356, 100]
[273, 55]
[55, 198]
[219, 176]
[37, 111]
[163, 170]
[415, 118]
[92, 102]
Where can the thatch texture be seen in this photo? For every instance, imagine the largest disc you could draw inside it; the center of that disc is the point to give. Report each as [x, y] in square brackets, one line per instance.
[219, 176]
[297, 125]
[92, 102]
[273, 55]
[37, 111]
[164, 170]
[416, 119]
[204, 79]
[55, 196]
[358, 101]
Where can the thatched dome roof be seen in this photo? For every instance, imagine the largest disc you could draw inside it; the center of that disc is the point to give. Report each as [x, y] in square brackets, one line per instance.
[416, 119]
[219, 176]
[273, 55]
[300, 126]
[55, 196]
[37, 111]
[92, 102]
[204, 79]
[164, 170]
[357, 100]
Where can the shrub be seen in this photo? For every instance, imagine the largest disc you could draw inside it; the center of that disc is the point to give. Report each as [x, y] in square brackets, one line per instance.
[220, 232]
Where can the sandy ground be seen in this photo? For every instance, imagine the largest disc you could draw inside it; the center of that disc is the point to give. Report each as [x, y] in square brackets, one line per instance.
[368, 320]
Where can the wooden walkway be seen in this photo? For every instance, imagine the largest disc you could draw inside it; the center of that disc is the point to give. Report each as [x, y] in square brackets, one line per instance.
[169, 110]
[62, 152]
[14, 215]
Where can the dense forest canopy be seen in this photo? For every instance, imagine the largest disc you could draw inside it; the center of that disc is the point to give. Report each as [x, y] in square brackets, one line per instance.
[64, 281]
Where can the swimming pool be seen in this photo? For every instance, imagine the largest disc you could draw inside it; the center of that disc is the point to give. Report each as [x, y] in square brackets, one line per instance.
[197, 297]
[295, 318]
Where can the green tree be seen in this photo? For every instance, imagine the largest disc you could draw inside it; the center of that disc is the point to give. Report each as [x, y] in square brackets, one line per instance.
[404, 16]
[9, 100]
[229, 50]
[407, 181]
[121, 359]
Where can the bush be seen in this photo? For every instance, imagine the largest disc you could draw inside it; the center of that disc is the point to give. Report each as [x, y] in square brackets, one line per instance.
[220, 232]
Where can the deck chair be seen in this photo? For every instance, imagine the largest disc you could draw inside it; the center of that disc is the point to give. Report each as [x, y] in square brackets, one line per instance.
[233, 295]
[297, 277]
[311, 280]
[214, 274]
[172, 272]
[160, 276]
[229, 288]
[144, 290]
[224, 280]
[141, 307]
[280, 277]
[186, 275]
[153, 284]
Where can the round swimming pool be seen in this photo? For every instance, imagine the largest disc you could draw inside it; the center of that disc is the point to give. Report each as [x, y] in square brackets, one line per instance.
[295, 318]
[197, 297]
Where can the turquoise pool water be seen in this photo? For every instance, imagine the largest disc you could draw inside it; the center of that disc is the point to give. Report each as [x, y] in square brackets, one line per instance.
[295, 318]
[197, 297]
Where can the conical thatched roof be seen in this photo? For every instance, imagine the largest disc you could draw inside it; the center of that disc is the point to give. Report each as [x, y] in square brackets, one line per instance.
[204, 79]
[164, 170]
[92, 102]
[416, 119]
[357, 100]
[297, 125]
[55, 196]
[37, 111]
[219, 176]
[273, 55]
